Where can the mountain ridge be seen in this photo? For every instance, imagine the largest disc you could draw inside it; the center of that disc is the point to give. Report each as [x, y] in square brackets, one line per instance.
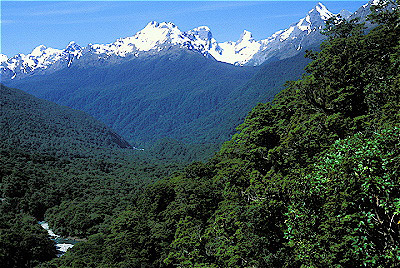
[142, 96]
[31, 117]
[157, 38]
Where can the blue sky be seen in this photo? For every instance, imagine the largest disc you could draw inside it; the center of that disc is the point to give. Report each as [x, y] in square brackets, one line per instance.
[27, 24]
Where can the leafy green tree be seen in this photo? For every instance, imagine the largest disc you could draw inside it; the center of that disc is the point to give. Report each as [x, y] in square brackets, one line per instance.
[23, 243]
[347, 212]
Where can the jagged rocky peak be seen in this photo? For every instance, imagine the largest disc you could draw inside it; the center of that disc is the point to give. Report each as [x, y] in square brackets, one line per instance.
[154, 30]
[155, 33]
[315, 19]
[201, 40]
[150, 37]
[323, 11]
[73, 46]
[372, 3]
[345, 14]
[202, 32]
[288, 42]
[245, 36]
[202, 28]
[320, 12]
[43, 50]
[363, 12]
[155, 24]
[38, 51]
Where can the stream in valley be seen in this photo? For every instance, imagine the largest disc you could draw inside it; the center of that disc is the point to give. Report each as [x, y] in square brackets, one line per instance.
[62, 244]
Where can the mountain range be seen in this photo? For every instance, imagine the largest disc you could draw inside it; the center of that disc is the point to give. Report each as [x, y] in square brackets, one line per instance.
[165, 83]
[158, 38]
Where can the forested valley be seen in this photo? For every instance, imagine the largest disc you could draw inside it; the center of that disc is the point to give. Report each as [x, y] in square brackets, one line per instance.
[310, 179]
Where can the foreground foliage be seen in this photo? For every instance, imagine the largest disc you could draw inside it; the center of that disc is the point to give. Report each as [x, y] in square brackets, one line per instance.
[23, 243]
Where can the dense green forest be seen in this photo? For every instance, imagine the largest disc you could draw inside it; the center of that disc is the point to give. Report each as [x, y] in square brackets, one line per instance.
[309, 180]
[36, 124]
[54, 161]
[180, 95]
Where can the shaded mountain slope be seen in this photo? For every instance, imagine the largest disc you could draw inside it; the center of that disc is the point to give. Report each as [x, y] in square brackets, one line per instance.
[144, 100]
[269, 80]
[181, 95]
[51, 156]
[39, 125]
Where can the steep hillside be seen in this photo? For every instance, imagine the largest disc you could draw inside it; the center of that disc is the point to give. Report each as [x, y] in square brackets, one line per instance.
[220, 124]
[144, 100]
[27, 122]
[181, 95]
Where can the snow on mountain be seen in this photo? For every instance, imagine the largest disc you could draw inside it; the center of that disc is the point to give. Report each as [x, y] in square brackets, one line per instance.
[286, 43]
[40, 58]
[238, 52]
[72, 52]
[3, 69]
[371, 3]
[158, 37]
[3, 58]
[155, 37]
[315, 20]
[363, 12]
[152, 36]
[202, 40]
[345, 14]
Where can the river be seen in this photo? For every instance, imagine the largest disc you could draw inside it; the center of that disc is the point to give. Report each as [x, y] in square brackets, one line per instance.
[62, 244]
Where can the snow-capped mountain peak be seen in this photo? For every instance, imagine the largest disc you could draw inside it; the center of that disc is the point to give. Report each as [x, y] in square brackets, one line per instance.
[371, 3]
[345, 14]
[157, 37]
[315, 19]
[363, 12]
[73, 46]
[324, 13]
[288, 42]
[246, 36]
[153, 36]
[237, 53]
[41, 57]
[202, 33]
[201, 40]
[37, 51]
[155, 33]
